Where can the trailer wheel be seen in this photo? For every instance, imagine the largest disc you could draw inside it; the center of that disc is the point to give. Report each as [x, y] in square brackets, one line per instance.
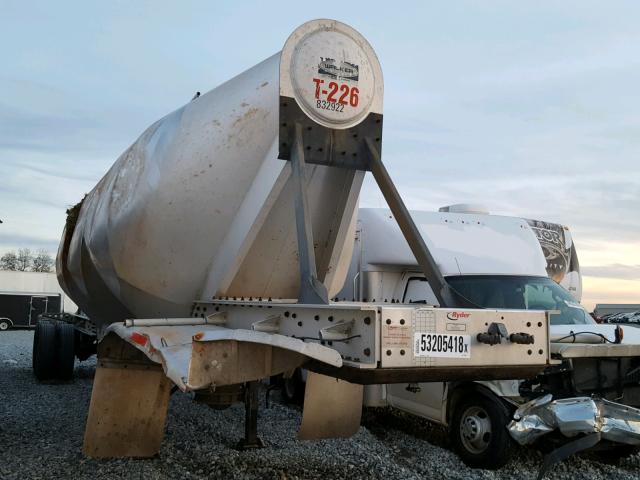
[44, 348]
[65, 354]
[479, 433]
[4, 324]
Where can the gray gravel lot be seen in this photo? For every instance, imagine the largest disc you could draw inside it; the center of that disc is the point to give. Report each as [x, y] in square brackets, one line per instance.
[41, 429]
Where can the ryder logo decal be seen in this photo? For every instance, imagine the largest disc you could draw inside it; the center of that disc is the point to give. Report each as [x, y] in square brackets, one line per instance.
[457, 315]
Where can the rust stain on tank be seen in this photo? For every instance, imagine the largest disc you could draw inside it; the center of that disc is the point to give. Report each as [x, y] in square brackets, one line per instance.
[248, 115]
[239, 125]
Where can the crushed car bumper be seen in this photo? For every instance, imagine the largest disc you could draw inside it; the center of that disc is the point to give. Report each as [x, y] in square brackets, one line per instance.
[574, 416]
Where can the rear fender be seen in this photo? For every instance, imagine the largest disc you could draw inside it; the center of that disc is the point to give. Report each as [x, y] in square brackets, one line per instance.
[195, 357]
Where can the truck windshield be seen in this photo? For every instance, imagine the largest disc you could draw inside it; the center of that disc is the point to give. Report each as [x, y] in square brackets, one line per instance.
[521, 293]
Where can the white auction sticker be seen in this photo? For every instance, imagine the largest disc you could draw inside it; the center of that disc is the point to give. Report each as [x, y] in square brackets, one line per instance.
[441, 345]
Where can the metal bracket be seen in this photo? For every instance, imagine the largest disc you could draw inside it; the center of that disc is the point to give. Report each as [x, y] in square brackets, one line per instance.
[312, 291]
[339, 331]
[217, 318]
[444, 294]
[269, 325]
[356, 148]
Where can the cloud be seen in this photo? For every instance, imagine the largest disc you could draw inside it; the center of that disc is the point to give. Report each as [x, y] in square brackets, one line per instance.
[528, 109]
[617, 54]
[616, 270]
[14, 241]
[22, 185]
[24, 130]
[45, 168]
[593, 205]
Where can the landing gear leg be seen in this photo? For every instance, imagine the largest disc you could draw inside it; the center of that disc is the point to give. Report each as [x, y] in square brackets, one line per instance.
[251, 439]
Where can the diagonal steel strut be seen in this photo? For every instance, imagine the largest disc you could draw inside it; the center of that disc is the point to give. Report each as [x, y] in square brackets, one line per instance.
[443, 292]
[312, 291]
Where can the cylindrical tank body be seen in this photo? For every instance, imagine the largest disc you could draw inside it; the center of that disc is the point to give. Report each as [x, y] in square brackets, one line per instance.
[201, 206]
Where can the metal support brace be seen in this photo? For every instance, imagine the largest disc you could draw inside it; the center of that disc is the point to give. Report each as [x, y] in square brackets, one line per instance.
[312, 291]
[251, 439]
[446, 297]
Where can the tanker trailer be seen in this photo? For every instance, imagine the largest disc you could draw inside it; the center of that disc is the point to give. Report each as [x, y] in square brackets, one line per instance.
[206, 256]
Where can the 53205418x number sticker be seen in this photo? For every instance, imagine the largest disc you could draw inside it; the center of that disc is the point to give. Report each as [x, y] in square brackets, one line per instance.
[441, 345]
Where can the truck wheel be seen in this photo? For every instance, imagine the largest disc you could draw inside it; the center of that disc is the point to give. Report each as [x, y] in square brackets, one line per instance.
[479, 433]
[44, 348]
[65, 356]
[293, 388]
[4, 325]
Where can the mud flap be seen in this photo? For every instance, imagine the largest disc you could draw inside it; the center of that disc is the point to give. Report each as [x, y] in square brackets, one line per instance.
[128, 406]
[332, 408]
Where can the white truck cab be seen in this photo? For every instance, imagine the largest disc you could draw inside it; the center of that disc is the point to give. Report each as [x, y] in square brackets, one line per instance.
[493, 262]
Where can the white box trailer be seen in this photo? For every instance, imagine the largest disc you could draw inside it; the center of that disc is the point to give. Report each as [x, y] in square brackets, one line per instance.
[207, 254]
[499, 261]
[38, 282]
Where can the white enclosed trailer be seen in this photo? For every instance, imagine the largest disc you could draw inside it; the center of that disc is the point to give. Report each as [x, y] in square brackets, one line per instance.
[207, 254]
[41, 282]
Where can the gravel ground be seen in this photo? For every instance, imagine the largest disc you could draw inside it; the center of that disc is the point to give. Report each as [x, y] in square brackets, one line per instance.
[41, 429]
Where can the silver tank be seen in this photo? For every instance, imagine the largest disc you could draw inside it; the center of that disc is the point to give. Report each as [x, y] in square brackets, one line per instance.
[201, 206]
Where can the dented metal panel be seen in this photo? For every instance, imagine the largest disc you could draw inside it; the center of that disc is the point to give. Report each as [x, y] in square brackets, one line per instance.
[574, 416]
[200, 356]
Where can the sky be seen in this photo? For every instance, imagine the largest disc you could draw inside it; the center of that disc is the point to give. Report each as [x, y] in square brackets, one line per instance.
[529, 108]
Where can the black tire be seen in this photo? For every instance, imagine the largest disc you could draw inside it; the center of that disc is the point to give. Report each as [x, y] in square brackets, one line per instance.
[478, 431]
[44, 350]
[4, 325]
[293, 388]
[65, 355]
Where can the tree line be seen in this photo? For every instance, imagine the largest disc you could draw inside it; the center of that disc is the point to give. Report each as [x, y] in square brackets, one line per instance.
[26, 261]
